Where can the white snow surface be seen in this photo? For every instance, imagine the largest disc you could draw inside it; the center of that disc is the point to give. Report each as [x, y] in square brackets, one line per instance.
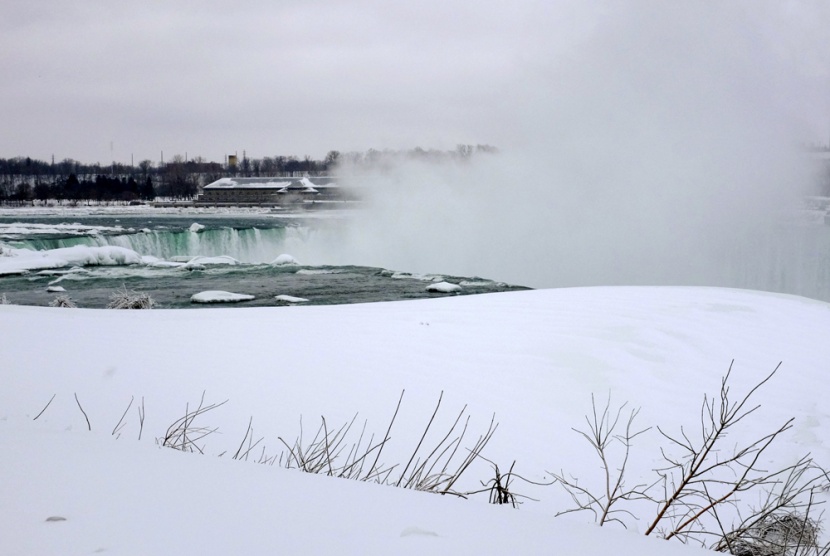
[219, 296]
[196, 227]
[533, 358]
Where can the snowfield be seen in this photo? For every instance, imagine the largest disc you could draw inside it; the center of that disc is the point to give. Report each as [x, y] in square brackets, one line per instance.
[531, 358]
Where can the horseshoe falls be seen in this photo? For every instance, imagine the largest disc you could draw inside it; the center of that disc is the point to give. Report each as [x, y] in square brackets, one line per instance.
[246, 245]
[792, 257]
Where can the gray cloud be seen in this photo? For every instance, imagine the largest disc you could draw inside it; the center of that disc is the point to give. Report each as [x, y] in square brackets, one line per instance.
[304, 77]
[289, 77]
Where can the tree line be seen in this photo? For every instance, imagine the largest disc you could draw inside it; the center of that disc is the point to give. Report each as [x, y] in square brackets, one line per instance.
[24, 180]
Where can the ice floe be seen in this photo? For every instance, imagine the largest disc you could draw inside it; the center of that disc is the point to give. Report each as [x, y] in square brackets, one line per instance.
[218, 296]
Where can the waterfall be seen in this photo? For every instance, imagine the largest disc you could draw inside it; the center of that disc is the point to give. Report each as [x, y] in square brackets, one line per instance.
[248, 245]
[788, 259]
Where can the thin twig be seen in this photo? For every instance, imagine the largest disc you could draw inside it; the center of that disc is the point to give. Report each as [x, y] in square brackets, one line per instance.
[89, 426]
[114, 430]
[44, 409]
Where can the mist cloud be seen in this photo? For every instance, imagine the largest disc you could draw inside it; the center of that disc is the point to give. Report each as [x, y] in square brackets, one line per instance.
[656, 152]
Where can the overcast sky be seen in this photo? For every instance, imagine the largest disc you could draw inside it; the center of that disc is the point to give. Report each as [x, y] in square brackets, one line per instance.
[95, 81]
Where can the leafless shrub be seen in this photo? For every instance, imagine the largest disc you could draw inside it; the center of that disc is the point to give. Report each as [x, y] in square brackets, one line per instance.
[324, 453]
[183, 434]
[785, 522]
[63, 301]
[432, 469]
[437, 471]
[784, 534]
[702, 476]
[129, 299]
[499, 487]
[249, 437]
[601, 434]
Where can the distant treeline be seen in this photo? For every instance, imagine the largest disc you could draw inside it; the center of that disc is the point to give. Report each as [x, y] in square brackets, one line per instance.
[24, 180]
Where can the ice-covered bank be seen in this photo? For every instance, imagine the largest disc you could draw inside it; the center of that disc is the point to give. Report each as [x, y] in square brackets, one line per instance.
[533, 358]
[18, 261]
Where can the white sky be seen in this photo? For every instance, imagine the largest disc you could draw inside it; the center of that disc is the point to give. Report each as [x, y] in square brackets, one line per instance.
[96, 80]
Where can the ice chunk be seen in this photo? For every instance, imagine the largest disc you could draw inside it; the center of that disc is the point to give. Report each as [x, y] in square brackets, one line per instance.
[290, 299]
[218, 296]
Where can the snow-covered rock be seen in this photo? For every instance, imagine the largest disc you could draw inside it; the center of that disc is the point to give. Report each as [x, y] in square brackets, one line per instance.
[444, 287]
[284, 259]
[201, 262]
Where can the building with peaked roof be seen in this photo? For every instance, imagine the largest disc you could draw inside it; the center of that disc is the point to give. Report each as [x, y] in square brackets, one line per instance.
[271, 191]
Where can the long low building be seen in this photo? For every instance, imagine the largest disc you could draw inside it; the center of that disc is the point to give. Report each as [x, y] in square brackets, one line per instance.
[272, 191]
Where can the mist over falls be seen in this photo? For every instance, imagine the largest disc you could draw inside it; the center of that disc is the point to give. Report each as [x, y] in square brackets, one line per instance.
[661, 149]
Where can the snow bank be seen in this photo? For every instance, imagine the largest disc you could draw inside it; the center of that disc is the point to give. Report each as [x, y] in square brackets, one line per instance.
[196, 227]
[219, 296]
